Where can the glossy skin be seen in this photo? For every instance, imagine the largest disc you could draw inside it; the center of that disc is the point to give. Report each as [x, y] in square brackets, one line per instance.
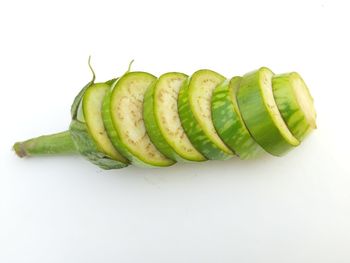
[228, 121]
[260, 113]
[295, 103]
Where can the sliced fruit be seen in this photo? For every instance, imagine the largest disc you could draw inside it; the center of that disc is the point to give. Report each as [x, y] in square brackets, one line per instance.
[295, 103]
[162, 119]
[228, 121]
[261, 115]
[194, 104]
[92, 110]
[82, 139]
[123, 118]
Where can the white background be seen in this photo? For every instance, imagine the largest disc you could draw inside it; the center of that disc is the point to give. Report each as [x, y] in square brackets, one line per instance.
[63, 209]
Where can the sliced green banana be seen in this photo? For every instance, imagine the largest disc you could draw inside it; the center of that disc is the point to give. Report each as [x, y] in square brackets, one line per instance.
[228, 121]
[194, 104]
[295, 103]
[162, 119]
[92, 110]
[123, 117]
[261, 115]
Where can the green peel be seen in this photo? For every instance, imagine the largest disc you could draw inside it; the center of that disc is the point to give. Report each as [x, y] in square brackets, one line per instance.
[228, 121]
[295, 103]
[194, 104]
[162, 120]
[141, 120]
[92, 109]
[124, 120]
[261, 115]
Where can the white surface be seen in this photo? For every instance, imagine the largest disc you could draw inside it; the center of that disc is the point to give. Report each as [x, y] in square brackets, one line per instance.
[63, 209]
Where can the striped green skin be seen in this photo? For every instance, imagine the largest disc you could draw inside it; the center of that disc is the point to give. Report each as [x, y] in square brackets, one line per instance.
[195, 113]
[123, 119]
[228, 121]
[295, 103]
[162, 120]
[261, 115]
[92, 110]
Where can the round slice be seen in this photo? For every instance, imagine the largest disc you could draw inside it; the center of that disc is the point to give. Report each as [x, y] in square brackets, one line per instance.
[228, 121]
[194, 104]
[295, 103]
[82, 138]
[123, 117]
[92, 110]
[162, 119]
[261, 115]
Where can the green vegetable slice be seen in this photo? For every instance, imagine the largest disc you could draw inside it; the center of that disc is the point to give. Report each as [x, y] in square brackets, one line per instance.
[148, 122]
[228, 121]
[162, 119]
[295, 103]
[81, 137]
[123, 118]
[83, 141]
[92, 110]
[194, 104]
[261, 115]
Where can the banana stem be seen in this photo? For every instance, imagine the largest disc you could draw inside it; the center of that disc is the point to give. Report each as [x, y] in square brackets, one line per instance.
[58, 143]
